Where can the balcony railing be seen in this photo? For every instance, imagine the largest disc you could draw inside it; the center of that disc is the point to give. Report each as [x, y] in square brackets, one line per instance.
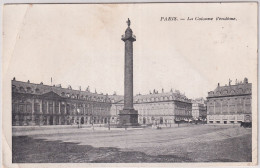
[123, 36]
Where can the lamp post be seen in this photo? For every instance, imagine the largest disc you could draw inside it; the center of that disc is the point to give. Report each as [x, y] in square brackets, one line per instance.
[78, 112]
[108, 123]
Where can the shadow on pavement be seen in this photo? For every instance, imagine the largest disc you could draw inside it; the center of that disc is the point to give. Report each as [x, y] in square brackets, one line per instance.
[28, 150]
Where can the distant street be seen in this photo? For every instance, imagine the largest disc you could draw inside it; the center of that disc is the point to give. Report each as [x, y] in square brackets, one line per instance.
[196, 143]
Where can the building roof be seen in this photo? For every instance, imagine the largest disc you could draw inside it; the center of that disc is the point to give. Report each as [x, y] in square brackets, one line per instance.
[116, 98]
[200, 100]
[41, 89]
[240, 88]
[153, 97]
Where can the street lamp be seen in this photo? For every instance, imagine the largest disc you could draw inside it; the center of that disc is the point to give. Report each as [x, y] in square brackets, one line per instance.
[78, 112]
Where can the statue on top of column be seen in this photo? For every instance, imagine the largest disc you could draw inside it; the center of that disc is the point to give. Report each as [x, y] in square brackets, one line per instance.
[128, 22]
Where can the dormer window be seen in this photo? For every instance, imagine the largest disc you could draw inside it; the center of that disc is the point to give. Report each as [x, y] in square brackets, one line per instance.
[37, 90]
[21, 89]
[29, 90]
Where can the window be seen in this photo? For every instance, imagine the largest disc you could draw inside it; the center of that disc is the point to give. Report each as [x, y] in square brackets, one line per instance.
[62, 108]
[21, 89]
[28, 108]
[50, 107]
[13, 88]
[68, 109]
[211, 122]
[240, 106]
[37, 90]
[29, 90]
[217, 108]
[14, 107]
[218, 122]
[44, 106]
[21, 108]
[36, 107]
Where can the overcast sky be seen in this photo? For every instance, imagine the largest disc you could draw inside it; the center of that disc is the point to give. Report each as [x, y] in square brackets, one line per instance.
[80, 45]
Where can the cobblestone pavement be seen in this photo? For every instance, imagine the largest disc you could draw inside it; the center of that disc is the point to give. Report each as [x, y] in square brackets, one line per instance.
[195, 143]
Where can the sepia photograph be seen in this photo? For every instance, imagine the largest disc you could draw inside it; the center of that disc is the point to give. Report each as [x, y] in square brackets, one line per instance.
[146, 84]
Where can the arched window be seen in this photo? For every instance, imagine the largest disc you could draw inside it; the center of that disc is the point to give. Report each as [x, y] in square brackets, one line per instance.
[63, 94]
[56, 110]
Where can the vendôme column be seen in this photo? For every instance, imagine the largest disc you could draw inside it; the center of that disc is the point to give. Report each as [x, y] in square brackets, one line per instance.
[128, 116]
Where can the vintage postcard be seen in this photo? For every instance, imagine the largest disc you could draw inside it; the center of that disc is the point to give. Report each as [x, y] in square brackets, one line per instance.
[135, 84]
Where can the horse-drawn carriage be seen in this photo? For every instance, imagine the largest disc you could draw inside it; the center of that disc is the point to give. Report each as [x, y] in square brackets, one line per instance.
[247, 121]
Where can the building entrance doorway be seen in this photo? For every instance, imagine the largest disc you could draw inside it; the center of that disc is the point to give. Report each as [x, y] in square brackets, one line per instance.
[144, 120]
[51, 120]
[161, 120]
[82, 120]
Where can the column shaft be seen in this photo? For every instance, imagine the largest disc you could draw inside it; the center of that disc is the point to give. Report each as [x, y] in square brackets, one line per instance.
[128, 95]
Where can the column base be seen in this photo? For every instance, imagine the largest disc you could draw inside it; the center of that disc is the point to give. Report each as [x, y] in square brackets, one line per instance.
[128, 117]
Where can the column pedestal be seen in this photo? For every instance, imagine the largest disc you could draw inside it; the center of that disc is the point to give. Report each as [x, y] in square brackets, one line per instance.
[128, 117]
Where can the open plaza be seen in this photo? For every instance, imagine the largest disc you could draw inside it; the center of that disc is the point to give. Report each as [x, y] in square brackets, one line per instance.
[186, 143]
[55, 124]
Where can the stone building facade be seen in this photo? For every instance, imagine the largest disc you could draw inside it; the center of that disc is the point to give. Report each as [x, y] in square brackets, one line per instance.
[199, 109]
[156, 108]
[230, 103]
[39, 104]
